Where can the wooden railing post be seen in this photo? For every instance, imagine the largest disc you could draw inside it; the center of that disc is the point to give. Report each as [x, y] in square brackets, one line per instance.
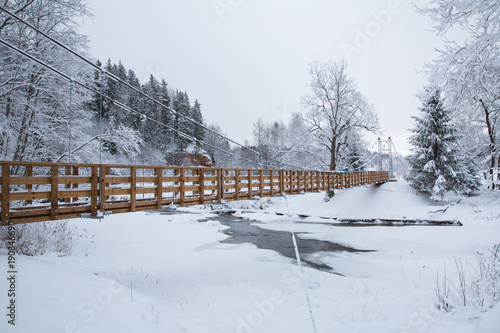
[236, 184]
[249, 183]
[93, 190]
[29, 173]
[102, 188]
[201, 175]
[76, 172]
[5, 193]
[304, 175]
[159, 187]
[67, 172]
[182, 181]
[261, 183]
[54, 191]
[271, 182]
[282, 182]
[133, 188]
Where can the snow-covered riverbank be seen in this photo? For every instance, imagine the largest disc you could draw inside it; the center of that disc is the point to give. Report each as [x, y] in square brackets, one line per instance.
[157, 273]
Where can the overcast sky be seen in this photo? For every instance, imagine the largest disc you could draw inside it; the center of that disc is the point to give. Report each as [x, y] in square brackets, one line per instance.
[245, 59]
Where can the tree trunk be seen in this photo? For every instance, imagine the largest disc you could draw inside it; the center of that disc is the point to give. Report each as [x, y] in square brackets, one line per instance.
[27, 121]
[333, 155]
[493, 150]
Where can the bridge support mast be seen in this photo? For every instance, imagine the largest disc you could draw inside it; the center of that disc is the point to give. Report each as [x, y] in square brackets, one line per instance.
[385, 156]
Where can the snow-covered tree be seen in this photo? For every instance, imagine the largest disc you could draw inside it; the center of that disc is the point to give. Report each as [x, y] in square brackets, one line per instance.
[469, 71]
[35, 118]
[302, 147]
[436, 166]
[182, 106]
[335, 107]
[198, 130]
[219, 158]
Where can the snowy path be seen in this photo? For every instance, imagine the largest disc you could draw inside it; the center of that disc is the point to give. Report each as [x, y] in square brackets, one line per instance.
[155, 273]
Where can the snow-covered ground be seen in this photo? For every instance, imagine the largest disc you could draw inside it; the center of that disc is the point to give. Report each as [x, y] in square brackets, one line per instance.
[146, 272]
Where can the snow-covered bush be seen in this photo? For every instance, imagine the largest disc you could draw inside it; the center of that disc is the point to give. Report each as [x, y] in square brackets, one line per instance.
[36, 239]
[477, 287]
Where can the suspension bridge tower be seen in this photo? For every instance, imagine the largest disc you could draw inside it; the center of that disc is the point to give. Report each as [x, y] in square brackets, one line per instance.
[385, 156]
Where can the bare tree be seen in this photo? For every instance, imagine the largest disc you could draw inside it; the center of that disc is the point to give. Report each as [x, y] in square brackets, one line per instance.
[34, 102]
[335, 108]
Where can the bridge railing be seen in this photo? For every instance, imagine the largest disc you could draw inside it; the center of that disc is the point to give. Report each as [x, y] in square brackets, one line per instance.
[38, 191]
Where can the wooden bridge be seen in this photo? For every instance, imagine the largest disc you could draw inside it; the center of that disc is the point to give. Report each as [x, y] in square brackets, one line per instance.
[37, 191]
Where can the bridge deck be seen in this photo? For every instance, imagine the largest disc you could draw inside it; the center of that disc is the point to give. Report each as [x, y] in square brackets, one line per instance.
[52, 191]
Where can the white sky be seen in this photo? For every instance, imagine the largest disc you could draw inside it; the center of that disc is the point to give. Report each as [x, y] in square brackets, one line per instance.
[252, 60]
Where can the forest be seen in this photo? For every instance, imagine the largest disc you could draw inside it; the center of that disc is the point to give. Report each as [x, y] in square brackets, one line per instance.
[103, 113]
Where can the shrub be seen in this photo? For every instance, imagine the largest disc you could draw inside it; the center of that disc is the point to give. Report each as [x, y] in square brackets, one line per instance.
[36, 239]
[477, 286]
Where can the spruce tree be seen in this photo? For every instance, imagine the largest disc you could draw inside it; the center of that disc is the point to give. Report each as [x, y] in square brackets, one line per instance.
[183, 125]
[436, 163]
[199, 131]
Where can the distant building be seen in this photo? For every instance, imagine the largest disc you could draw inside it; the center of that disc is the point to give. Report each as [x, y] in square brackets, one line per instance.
[185, 159]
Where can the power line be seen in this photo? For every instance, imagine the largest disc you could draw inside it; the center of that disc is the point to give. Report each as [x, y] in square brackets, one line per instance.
[114, 77]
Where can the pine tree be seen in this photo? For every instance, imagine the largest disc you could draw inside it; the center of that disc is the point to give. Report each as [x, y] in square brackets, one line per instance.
[199, 132]
[183, 125]
[436, 164]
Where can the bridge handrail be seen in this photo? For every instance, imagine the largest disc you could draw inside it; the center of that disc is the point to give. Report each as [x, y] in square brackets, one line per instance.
[42, 191]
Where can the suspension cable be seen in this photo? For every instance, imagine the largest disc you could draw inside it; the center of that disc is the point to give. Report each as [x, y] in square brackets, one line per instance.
[117, 103]
[117, 79]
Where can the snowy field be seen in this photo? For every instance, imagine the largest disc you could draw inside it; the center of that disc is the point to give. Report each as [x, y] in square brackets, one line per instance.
[146, 272]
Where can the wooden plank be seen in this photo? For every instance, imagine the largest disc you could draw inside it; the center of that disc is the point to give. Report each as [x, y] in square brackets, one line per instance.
[144, 190]
[54, 190]
[5, 193]
[33, 195]
[133, 188]
[30, 213]
[118, 179]
[75, 180]
[38, 180]
[77, 209]
[28, 173]
[45, 164]
[146, 179]
[75, 194]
